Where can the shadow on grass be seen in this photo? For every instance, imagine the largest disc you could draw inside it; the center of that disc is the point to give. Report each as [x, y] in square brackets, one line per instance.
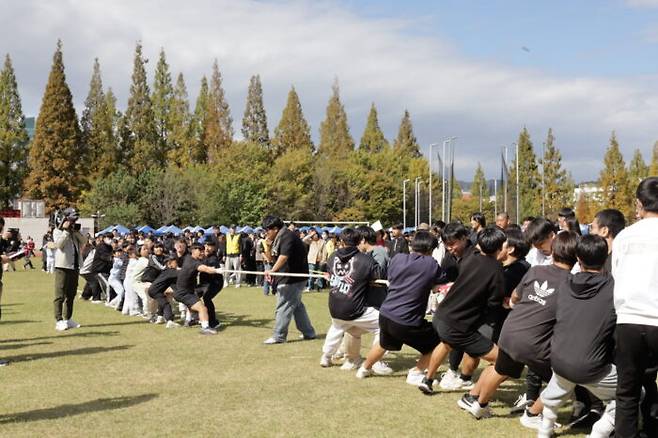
[111, 324]
[231, 319]
[63, 336]
[17, 346]
[18, 321]
[11, 305]
[68, 410]
[62, 353]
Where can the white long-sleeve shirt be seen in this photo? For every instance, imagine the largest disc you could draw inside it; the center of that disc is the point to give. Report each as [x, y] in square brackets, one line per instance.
[635, 270]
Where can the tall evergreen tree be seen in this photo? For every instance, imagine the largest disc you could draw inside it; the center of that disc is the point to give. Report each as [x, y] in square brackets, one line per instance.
[373, 138]
[218, 132]
[637, 169]
[254, 122]
[558, 185]
[653, 168]
[104, 137]
[93, 104]
[335, 138]
[584, 209]
[406, 143]
[293, 131]
[199, 150]
[613, 181]
[480, 187]
[143, 138]
[57, 174]
[13, 136]
[180, 152]
[162, 100]
[529, 180]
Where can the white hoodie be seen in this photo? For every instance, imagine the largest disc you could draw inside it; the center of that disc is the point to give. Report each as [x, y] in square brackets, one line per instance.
[635, 270]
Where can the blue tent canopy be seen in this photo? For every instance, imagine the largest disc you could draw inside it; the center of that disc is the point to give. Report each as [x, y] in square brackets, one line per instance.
[174, 230]
[304, 229]
[145, 229]
[246, 230]
[118, 228]
[223, 229]
[336, 230]
[209, 231]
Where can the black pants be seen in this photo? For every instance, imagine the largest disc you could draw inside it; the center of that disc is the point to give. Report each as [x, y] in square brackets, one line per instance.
[87, 291]
[636, 351]
[455, 358]
[207, 292]
[66, 286]
[164, 308]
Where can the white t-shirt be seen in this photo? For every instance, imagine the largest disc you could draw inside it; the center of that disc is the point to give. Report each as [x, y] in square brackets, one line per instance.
[537, 258]
[635, 270]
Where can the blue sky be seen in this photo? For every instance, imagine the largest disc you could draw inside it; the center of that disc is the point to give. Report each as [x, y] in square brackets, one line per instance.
[457, 66]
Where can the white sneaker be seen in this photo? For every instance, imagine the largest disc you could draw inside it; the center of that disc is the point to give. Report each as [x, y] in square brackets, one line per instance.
[351, 365]
[271, 341]
[381, 368]
[478, 411]
[362, 373]
[72, 324]
[172, 324]
[520, 404]
[415, 376]
[237, 285]
[61, 325]
[603, 427]
[159, 320]
[531, 422]
[451, 381]
[325, 361]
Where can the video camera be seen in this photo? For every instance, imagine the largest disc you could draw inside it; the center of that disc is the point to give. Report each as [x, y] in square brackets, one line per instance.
[68, 214]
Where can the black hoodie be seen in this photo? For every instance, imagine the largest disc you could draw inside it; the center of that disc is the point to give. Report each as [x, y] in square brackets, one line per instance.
[582, 345]
[350, 273]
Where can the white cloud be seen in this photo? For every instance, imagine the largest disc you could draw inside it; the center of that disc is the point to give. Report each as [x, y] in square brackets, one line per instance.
[308, 44]
[642, 3]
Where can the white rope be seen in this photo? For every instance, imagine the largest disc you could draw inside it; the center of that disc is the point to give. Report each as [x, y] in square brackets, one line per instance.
[283, 274]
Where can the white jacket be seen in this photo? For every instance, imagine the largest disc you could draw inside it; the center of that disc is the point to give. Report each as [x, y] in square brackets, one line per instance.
[66, 243]
[635, 270]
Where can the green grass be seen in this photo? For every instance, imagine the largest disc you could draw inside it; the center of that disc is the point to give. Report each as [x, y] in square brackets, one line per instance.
[122, 377]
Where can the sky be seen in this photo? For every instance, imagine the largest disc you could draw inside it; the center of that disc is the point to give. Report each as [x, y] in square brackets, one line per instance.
[477, 70]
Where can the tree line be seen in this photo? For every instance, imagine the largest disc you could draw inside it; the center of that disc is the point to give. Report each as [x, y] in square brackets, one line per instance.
[164, 161]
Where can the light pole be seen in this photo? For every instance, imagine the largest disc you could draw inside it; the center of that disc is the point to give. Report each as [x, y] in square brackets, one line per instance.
[518, 194]
[417, 207]
[430, 188]
[543, 181]
[444, 191]
[404, 203]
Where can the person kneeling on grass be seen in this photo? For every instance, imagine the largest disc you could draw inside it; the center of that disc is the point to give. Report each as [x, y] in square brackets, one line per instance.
[526, 335]
[583, 339]
[186, 285]
[477, 291]
[164, 283]
[351, 273]
[402, 314]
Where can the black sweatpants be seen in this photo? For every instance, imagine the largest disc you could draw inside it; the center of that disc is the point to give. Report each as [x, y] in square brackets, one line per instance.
[636, 351]
[207, 292]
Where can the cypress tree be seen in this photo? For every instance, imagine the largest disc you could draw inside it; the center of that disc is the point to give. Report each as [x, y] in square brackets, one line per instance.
[56, 171]
[529, 179]
[104, 136]
[13, 136]
[558, 185]
[480, 187]
[335, 138]
[637, 171]
[218, 132]
[180, 151]
[199, 152]
[373, 138]
[613, 180]
[162, 97]
[653, 168]
[293, 131]
[93, 104]
[254, 122]
[140, 120]
[406, 142]
[584, 212]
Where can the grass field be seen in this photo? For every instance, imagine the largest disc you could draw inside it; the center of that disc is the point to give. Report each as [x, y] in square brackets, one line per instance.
[122, 377]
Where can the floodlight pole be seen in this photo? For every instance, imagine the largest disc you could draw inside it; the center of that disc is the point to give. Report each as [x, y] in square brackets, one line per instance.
[430, 188]
[404, 203]
[518, 193]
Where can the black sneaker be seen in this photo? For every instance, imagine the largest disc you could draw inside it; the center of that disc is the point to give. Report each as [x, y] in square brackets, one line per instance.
[586, 421]
[426, 386]
[466, 402]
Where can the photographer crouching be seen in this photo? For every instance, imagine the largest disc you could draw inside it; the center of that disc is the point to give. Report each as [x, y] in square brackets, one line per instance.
[67, 241]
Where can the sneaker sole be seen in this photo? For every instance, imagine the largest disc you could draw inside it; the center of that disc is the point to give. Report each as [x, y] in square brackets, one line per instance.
[462, 404]
[425, 389]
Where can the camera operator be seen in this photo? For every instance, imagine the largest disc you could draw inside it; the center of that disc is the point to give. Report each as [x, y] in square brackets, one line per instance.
[68, 259]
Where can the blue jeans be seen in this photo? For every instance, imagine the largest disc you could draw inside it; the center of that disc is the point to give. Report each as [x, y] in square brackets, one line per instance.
[266, 285]
[288, 305]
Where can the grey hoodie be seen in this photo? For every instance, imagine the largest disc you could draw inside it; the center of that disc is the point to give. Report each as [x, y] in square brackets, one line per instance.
[583, 344]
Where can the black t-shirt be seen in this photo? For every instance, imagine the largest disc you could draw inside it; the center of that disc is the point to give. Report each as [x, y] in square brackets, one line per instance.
[351, 273]
[167, 278]
[153, 269]
[292, 246]
[527, 331]
[187, 276]
[411, 278]
[205, 278]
